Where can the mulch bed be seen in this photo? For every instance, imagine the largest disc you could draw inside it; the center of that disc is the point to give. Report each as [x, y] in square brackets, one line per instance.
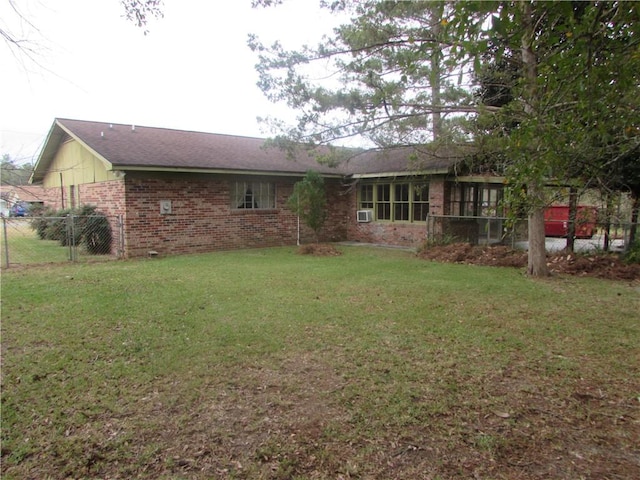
[319, 250]
[601, 265]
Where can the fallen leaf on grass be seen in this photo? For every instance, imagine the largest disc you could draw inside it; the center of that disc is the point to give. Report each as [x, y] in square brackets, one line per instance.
[502, 414]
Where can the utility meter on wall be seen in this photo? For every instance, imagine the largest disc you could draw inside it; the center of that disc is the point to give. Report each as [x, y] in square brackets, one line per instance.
[165, 207]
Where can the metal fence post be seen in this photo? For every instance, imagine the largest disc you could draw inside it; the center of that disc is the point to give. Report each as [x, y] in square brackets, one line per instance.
[67, 222]
[6, 243]
[71, 237]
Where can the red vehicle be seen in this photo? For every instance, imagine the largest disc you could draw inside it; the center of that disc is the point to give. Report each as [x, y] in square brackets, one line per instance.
[556, 221]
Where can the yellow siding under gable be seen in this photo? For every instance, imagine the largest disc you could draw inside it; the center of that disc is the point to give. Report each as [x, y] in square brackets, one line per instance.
[75, 165]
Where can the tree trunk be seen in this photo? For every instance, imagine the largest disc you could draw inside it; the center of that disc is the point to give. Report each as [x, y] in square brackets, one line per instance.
[635, 211]
[435, 94]
[537, 255]
[436, 71]
[607, 223]
[573, 215]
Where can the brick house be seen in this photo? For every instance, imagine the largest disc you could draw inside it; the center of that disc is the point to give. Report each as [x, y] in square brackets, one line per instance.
[187, 192]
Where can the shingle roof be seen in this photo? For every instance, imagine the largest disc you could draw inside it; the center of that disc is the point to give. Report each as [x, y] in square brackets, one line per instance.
[127, 147]
[403, 160]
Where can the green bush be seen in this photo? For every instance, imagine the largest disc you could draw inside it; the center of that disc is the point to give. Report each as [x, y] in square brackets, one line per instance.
[309, 201]
[40, 222]
[90, 228]
[56, 228]
[96, 234]
[633, 254]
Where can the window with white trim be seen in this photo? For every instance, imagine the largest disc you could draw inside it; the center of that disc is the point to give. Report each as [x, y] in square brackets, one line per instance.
[253, 195]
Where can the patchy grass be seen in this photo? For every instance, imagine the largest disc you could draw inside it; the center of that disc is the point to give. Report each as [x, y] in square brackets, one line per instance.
[265, 364]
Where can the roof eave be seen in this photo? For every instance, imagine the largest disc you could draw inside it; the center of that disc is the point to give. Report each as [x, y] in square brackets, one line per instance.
[47, 153]
[435, 171]
[223, 171]
[480, 178]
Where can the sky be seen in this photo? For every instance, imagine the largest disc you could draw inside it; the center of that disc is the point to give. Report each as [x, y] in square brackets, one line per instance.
[192, 71]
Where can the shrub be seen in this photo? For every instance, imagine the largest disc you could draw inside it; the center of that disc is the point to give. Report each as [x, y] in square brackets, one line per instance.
[90, 228]
[40, 222]
[96, 234]
[309, 201]
[633, 254]
[56, 228]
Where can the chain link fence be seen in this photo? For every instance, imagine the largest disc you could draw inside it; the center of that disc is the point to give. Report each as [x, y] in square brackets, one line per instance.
[589, 235]
[71, 238]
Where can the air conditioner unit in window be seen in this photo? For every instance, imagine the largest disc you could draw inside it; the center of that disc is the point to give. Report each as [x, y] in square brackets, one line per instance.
[364, 216]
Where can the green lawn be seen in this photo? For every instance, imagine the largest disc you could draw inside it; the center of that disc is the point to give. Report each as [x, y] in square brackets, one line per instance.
[265, 364]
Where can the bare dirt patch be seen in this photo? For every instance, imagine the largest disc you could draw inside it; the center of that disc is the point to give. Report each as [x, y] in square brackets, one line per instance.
[601, 265]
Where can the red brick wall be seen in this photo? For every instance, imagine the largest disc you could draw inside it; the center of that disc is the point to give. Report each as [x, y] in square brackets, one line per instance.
[53, 198]
[202, 219]
[338, 204]
[388, 233]
[439, 191]
[108, 197]
[437, 196]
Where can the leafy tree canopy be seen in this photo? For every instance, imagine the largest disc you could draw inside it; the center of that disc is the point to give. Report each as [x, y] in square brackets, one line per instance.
[140, 11]
[12, 173]
[565, 106]
[389, 81]
[576, 117]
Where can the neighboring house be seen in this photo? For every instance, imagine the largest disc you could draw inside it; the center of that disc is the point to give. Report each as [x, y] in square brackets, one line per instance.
[187, 192]
[18, 197]
[5, 203]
